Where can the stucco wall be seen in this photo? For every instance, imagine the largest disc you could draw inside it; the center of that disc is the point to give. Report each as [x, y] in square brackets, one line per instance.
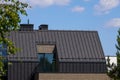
[70, 76]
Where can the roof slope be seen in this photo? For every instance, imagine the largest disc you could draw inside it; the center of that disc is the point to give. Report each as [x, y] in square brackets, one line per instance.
[71, 45]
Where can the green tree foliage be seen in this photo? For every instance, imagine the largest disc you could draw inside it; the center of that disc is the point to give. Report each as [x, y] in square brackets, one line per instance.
[10, 11]
[114, 70]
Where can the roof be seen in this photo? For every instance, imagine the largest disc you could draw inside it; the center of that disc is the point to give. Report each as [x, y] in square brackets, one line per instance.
[71, 45]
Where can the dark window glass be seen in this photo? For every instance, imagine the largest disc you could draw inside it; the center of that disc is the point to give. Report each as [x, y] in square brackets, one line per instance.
[0, 53]
[3, 50]
[3, 53]
[46, 62]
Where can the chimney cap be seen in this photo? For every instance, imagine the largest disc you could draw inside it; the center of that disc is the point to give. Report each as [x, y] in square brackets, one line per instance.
[44, 25]
[26, 24]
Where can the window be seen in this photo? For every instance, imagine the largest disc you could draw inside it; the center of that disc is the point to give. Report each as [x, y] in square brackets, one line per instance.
[46, 58]
[3, 53]
[3, 50]
[46, 61]
[0, 53]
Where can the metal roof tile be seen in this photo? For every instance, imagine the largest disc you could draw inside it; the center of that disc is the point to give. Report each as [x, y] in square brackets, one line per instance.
[75, 45]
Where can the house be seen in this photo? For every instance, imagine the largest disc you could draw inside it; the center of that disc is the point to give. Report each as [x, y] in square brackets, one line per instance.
[56, 55]
[113, 59]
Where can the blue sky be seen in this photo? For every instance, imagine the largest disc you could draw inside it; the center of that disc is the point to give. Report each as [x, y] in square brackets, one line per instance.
[100, 15]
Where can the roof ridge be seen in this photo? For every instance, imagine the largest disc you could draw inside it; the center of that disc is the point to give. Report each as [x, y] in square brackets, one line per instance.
[60, 31]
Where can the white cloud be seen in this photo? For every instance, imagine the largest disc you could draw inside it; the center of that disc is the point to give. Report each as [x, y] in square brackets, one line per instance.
[115, 22]
[62, 2]
[104, 6]
[78, 9]
[46, 3]
[41, 3]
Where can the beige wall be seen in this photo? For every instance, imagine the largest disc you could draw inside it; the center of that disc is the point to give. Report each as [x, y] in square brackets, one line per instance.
[70, 76]
[45, 48]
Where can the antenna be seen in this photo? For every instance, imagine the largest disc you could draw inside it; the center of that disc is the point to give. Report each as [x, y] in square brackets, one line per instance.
[28, 21]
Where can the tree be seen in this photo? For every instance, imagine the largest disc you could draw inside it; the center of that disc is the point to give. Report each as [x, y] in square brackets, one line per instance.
[10, 11]
[114, 70]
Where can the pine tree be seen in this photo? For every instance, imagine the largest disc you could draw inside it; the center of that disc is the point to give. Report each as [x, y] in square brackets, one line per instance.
[114, 70]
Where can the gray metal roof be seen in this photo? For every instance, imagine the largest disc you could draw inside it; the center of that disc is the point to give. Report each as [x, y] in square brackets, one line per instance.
[71, 45]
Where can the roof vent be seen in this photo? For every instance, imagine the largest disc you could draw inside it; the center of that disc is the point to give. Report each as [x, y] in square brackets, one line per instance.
[26, 27]
[43, 27]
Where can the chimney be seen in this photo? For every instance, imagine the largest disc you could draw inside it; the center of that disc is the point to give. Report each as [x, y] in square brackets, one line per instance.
[43, 27]
[26, 27]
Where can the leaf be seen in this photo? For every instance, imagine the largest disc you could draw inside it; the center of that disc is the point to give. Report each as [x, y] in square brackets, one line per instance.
[9, 21]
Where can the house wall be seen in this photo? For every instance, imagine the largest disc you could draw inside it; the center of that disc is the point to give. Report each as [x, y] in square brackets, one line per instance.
[21, 70]
[27, 70]
[83, 67]
[71, 76]
[113, 59]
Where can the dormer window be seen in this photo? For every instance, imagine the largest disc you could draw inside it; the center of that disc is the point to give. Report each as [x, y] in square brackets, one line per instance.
[46, 58]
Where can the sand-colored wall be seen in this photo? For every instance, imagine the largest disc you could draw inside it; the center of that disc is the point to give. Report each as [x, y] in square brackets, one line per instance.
[70, 76]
